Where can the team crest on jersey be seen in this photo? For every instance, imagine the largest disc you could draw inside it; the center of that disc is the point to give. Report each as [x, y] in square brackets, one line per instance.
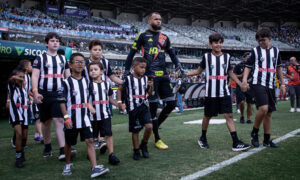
[261, 59]
[212, 66]
[134, 87]
[74, 92]
[61, 65]
[224, 66]
[87, 91]
[145, 86]
[273, 60]
[35, 62]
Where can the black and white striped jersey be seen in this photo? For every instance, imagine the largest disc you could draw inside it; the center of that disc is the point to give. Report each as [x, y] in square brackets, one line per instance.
[99, 98]
[216, 71]
[52, 69]
[264, 62]
[107, 69]
[136, 91]
[75, 94]
[27, 83]
[18, 106]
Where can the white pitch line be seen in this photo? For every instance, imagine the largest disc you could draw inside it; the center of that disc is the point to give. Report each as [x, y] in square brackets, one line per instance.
[236, 158]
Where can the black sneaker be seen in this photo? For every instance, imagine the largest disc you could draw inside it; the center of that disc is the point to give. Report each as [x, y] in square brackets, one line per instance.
[102, 146]
[203, 143]
[112, 159]
[47, 154]
[19, 163]
[137, 155]
[144, 150]
[254, 140]
[270, 144]
[242, 120]
[249, 121]
[240, 146]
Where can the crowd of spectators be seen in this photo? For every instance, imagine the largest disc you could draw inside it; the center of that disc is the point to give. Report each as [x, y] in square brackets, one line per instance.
[289, 34]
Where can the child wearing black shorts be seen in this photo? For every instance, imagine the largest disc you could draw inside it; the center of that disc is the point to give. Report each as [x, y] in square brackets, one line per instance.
[18, 112]
[100, 96]
[217, 98]
[137, 86]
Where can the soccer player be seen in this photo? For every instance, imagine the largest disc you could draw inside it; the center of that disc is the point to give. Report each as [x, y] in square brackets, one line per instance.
[265, 60]
[100, 96]
[74, 104]
[137, 86]
[96, 54]
[217, 67]
[49, 70]
[18, 112]
[294, 84]
[154, 45]
[241, 96]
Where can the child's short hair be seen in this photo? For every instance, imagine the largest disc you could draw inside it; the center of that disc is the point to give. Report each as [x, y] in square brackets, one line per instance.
[95, 42]
[263, 33]
[96, 63]
[18, 69]
[74, 55]
[216, 37]
[24, 62]
[51, 35]
[138, 60]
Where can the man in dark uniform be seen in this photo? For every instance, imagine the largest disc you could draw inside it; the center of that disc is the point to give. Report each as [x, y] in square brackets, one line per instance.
[244, 96]
[153, 45]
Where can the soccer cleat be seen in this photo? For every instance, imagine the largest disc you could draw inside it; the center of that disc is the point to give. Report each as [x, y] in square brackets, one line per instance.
[254, 140]
[37, 138]
[13, 145]
[240, 146]
[161, 145]
[67, 169]
[102, 146]
[292, 110]
[47, 154]
[238, 111]
[242, 120]
[203, 143]
[136, 155]
[113, 159]
[19, 163]
[96, 144]
[144, 150]
[249, 121]
[270, 144]
[98, 171]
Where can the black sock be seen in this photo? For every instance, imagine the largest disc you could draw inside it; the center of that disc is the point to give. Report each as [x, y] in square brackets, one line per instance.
[136, 150]
[234, 136]
[166, 111]
[48, 147]
[203, 136]
[267, 138]
[155, 129]
[254, 130]
[61, 150]
[143, 143]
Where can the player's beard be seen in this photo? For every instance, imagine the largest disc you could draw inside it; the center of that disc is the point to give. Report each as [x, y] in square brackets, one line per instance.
[155, 27]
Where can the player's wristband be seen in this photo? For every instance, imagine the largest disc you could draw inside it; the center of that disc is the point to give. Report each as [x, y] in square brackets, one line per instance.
[67, 121]
[35, 89]
[119, 102]
[66, 116]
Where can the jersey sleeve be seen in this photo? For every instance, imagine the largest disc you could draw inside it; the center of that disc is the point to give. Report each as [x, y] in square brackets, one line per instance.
[125, 82]
[202, 63]
[109, 70]
[279, 63]
[251, 60]
[138, 42]
[37, 63]
[229, 64]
